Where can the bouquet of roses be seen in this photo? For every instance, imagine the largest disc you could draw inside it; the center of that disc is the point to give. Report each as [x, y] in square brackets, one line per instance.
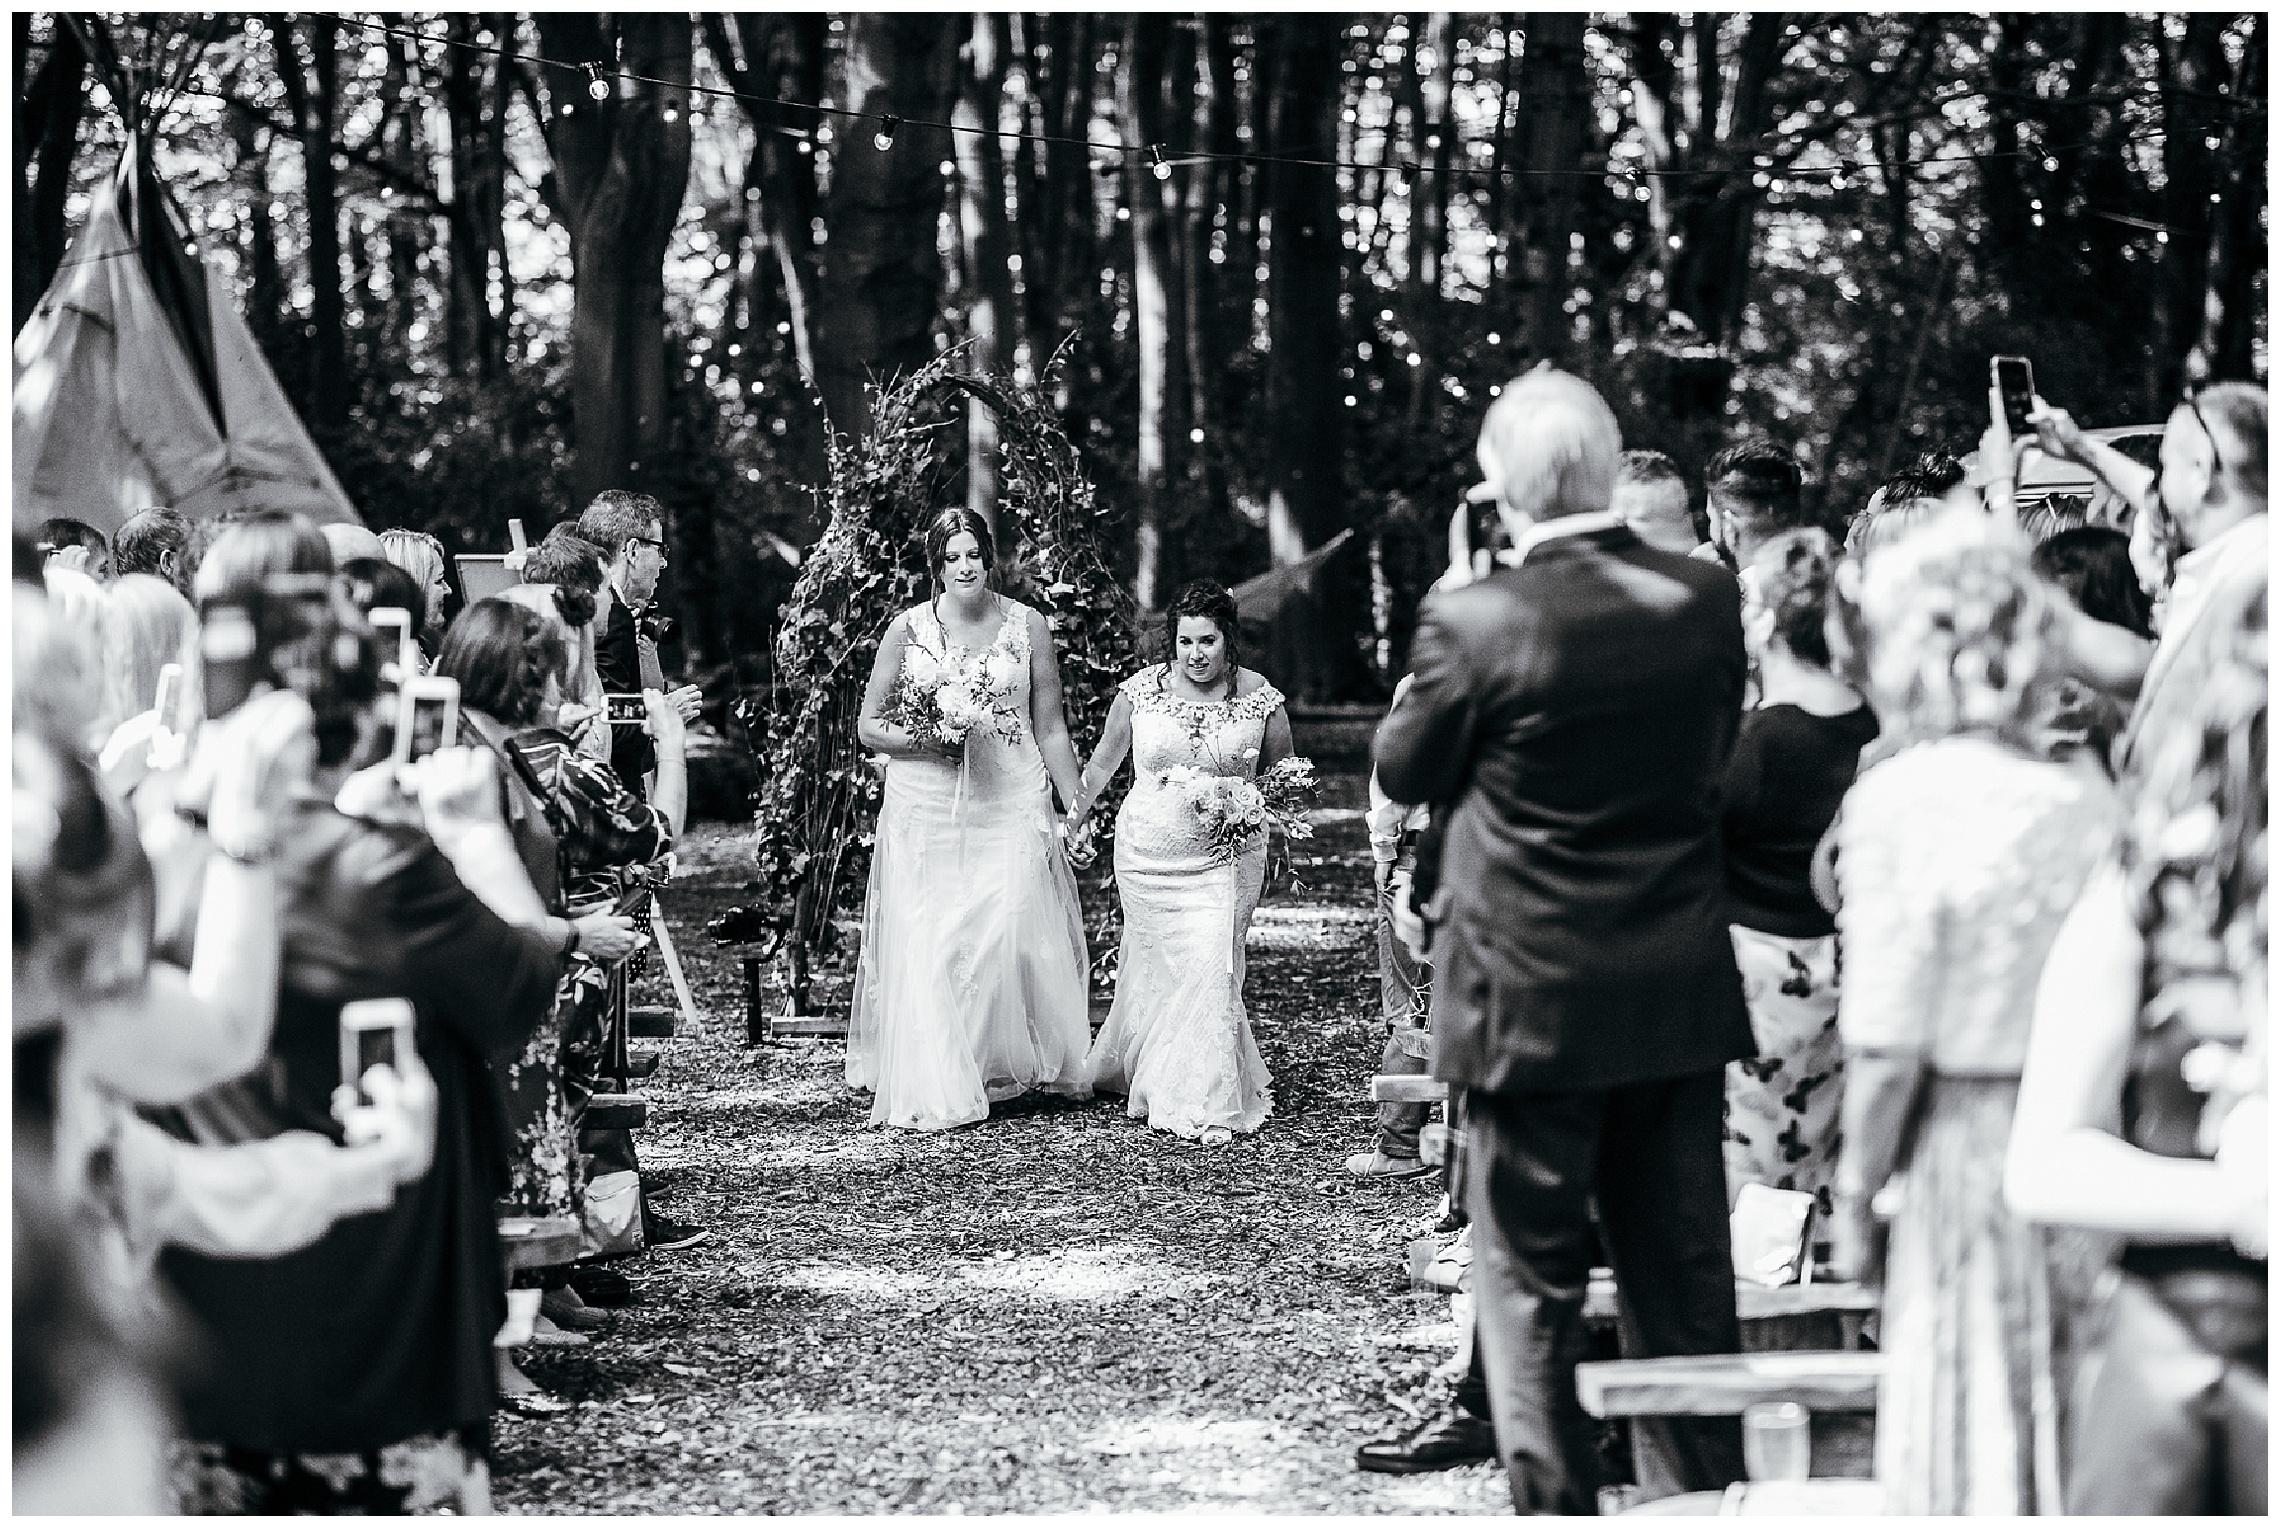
[1235, 811]
[942, 704]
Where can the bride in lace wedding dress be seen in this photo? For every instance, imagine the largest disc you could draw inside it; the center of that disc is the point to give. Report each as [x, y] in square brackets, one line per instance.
[1177, 1042]
[970, 986]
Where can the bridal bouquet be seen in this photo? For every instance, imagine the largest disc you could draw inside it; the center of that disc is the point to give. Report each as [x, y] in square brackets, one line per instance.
[943, 703]
[1235, 810]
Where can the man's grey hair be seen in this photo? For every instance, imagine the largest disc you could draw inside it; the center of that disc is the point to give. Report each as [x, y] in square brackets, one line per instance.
[1550, 446]
[617, 516]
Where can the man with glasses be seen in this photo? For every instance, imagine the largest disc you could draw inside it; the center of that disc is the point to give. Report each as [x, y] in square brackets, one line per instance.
[630, 530]
[2203, 516]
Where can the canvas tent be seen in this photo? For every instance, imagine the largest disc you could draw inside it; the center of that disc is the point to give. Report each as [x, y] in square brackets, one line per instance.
[138, 384]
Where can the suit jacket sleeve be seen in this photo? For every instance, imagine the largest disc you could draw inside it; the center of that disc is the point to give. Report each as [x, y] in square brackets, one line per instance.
[1424, 745]
[616, 658]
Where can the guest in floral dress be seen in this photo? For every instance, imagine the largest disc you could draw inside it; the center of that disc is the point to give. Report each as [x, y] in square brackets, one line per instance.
[1958, 858]
[1793, 760]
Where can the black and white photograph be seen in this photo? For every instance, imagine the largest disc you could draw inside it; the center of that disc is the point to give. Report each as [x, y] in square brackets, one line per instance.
[1383, 764]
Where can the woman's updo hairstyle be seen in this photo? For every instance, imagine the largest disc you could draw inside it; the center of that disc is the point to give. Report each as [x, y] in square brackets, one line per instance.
[1207, 600]
[1794, 571]
[945, 528]
[502, 655]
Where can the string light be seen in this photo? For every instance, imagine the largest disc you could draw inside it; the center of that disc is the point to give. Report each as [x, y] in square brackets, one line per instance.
[599, 87]
[1158, 163]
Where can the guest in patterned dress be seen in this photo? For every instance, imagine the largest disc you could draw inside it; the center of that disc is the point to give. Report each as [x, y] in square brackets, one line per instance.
[1793, 760]
[1958, 858]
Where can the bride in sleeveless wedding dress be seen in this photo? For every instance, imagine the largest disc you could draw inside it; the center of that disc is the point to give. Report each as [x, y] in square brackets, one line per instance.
[970, 987]
[1178, 1041]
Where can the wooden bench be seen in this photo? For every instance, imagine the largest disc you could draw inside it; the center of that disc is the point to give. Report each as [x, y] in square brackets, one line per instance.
[652, 1023]
[615, 1111]
[1836, 1389]
[816, 1026]
[1408, 1090]
[531, 1241]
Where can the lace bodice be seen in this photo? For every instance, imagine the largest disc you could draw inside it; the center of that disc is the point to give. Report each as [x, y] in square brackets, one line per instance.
[1221, 737]
[994, 765]
[1957, 861]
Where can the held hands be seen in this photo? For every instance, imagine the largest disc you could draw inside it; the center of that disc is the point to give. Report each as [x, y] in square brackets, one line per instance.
[607, 938]
[399, 1122]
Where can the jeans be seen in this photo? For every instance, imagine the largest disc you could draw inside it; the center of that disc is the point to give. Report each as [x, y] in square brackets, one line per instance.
[1405, 986]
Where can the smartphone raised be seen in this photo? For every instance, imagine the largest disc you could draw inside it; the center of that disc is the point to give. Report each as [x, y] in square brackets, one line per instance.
[239, 635]
[374, 1032]
[427, 718]
[628, 710]
[2014, 377]
[169, 697]
[399, 621]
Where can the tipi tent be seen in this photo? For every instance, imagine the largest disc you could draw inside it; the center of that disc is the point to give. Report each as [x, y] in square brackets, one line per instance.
[138, 384]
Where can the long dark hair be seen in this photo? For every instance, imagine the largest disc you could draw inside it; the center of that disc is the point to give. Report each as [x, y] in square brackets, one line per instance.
[945, 527]
[1207, 600]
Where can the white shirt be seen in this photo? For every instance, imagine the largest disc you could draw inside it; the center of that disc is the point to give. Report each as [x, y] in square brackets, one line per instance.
[1559, 525]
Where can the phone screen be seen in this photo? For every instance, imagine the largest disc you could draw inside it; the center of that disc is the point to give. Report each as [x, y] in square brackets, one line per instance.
[375, 1047]
[2015, 379]
[169, 695]
[628, 709]
[432, 716]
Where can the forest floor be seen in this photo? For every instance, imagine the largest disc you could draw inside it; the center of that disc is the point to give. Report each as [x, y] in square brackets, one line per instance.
[1055, 1310]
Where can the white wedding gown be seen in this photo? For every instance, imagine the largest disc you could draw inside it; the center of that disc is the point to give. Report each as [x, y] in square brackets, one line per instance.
[1178, 1042]
[970, 986]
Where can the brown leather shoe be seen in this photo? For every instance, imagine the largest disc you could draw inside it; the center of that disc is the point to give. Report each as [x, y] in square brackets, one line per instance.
[1458, 1438]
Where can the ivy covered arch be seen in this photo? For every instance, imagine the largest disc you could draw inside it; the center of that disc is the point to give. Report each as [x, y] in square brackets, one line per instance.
[819, 796]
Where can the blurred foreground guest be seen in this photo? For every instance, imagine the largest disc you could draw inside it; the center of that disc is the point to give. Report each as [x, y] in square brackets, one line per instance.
[2091, 565]
[422, 556]
[1907, 499]
[1571, 715]
[152, 543]
[359, 1372]
[67, 693]
[1651, 498]
[147, 625]
[350, 541]
[2143, 1109]
[1958, 858]
[1793, 761]
[76, 545]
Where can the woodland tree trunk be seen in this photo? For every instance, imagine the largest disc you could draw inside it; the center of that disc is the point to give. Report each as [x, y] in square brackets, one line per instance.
[476, 340]
[1312, 645]
[620, 169]
[1554, 98]
[882, 276]
[987, 241]
[48, 113]
[313, 98]
[1140, 116]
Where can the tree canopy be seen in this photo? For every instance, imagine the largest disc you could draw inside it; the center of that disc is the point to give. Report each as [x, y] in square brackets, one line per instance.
[501, 260]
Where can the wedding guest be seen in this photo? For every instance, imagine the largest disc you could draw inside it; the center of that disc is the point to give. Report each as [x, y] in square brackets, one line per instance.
[1756, 492]
[572, 567]
[151, 542]
[1957, 859]
[375, 1342]
[76, 545]
[1404, 984]
[1571, 715]
[146, 626]
[2142, 1110]
[1651, 497]
[422, 556]
[629, 530]
[351, 542]
[1793, 761]
[2091, 565]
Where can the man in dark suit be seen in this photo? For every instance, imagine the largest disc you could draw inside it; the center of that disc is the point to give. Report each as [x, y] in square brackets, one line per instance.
[630, 530]
[1569, 718]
